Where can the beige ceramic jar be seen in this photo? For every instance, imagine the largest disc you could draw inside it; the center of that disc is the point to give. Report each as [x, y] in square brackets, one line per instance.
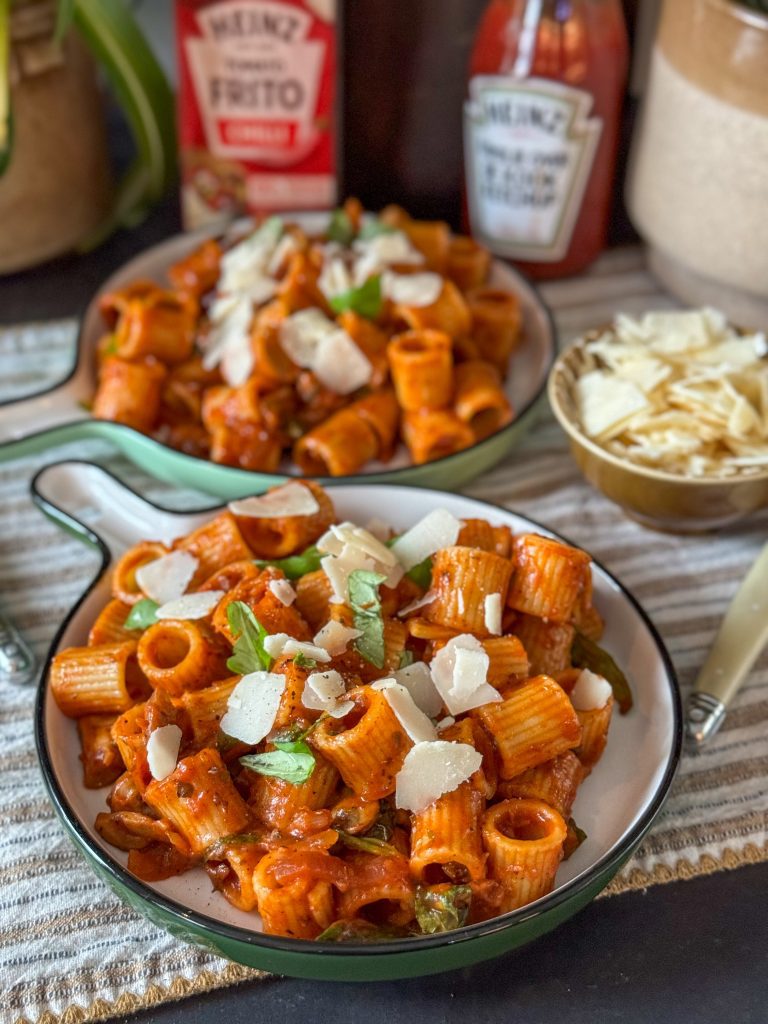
[57, 187]
[698, 183]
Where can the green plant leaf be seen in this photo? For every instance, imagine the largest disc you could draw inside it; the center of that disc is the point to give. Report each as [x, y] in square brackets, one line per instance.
[248, 653]
[295, 565]
[65, 13]
[302, 661]
[142, 614]
[340, 228]
[369, 844]
[365, 603]
[358, 930]
[292, 766]
[6, 121]
[117, 42]
[585, 653]
[574, 837]
[440, 909]
[421, 574]
[365, 299]
[406, 659]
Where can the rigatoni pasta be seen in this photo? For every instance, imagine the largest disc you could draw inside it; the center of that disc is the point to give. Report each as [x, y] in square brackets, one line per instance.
[279, 344]
[351, 732]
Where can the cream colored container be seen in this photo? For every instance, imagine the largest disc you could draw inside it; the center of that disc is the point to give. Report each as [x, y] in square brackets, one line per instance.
[698, 184]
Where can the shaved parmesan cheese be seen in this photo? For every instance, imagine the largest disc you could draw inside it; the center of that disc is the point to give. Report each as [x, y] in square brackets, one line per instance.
[292, 499]
[351, 547]
[283, 591]
[252, 706]
[334, 637]
[340, 365]
[417, 679]
[230, 330]
[167, 578]
[438, 529]
[419, 602]
[190, 606]
[338, 569]
[163, 750]
[341, 709]
[284, 249]
[281, 643]
[237, 363]
[412, 289]
[340, 534]
[590, 692]
[382, 251]
[431, 769]
[460, 673]
[607, 404]
[322, 690]
[413, 720]
[492, 610]
[446, 723]
[245, 263]
[300, 335]
[334, 278]
[316, 343]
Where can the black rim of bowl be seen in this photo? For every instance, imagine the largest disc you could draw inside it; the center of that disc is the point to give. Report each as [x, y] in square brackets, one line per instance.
[120, 875]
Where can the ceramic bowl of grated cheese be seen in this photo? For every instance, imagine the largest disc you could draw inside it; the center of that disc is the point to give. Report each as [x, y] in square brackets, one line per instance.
[667, 415]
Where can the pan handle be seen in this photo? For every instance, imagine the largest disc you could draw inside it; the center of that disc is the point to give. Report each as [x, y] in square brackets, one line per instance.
[62, 404]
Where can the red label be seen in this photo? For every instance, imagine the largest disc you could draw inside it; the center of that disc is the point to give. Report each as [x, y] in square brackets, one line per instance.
[256, 98]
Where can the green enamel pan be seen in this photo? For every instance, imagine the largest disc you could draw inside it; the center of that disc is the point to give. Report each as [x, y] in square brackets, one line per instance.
[58, 415]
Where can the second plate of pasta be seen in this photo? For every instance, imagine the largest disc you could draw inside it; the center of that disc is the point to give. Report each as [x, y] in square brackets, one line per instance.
[374, 717]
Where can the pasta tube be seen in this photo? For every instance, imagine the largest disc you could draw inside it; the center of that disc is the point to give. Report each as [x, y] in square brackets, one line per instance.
[524, 840]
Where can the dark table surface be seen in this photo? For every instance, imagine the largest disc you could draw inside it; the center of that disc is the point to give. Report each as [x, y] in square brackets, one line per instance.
[694, 951]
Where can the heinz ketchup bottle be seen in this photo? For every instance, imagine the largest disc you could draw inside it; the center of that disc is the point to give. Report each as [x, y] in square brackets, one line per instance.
[546, 80]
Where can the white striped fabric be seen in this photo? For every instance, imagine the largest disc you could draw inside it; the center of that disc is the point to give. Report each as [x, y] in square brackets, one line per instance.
[65, 940]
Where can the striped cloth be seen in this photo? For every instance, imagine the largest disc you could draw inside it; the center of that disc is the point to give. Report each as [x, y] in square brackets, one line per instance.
[70, 951]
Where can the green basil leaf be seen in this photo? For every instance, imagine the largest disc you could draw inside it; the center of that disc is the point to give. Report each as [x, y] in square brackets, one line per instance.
[365, 299]
[281, 764]
[442, 910]
[142, 615]
[358, 930]
[302, 661]
[585, 653]
[296, 565]
[340, 228]
[369, 844]
[294, 746]
[373, 228]
[365, 603]
[248, 653]
[384, 826]
[406, 659]
[421, 574]
[218, 849]
[574, 837]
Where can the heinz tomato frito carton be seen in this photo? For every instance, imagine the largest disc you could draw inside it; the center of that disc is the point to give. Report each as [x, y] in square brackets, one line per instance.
[256, 106]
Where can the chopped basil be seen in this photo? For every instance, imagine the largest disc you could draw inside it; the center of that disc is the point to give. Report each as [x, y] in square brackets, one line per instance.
[358, 930]
[293, 761]
[585, 653]
[421, 574]
[574, 837]
[365, 603]
[296, 565]
[406, 659]
[142, 615]
[368, 844]
[373, 228]
[218, 849]
[110, 348]
[248, 653]
[384, 826]
[365, 299]
[302, 661]
[340, 228]
[441, 910]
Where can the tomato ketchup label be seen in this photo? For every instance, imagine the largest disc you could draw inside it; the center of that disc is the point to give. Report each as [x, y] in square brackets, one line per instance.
[255, 106]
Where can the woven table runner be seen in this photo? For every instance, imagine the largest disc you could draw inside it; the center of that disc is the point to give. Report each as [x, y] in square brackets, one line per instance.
[71, 952]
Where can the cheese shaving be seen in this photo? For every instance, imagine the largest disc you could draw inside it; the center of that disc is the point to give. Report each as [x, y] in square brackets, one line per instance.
[417, 679]
[283, 591]
[431, 769]
[167, 577]
[412, 289]
[590, 692]
[460, 673]
[190, 606]
[291, 499]
[163, 750]
[413, 720]
[322, 690]
[334, 637]
[438, 529]
[492, 611]
[252, 706]
[282, 643]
